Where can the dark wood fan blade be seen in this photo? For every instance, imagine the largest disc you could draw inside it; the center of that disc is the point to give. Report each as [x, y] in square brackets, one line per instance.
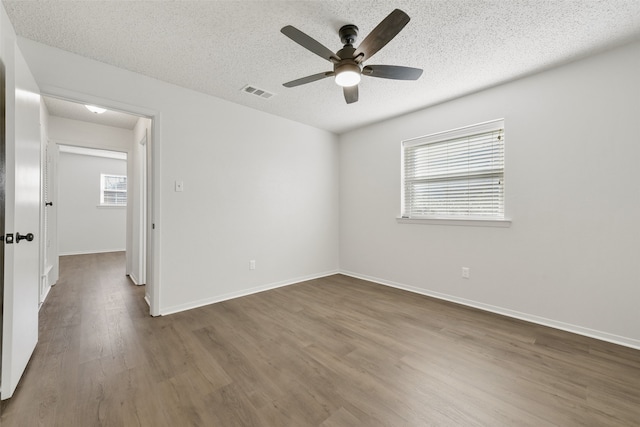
[381, 35]
[308, 79]
[392, 72]
[351, 94]
[309, 43]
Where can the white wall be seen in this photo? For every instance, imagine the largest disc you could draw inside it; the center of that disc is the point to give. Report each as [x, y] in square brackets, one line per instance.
[85, 227]
[256, 186]
[90, 135]
[572, 179]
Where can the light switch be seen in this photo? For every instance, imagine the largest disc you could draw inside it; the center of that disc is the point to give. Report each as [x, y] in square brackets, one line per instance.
[179, 186]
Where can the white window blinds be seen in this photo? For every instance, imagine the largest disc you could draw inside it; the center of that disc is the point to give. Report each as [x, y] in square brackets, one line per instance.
[113, 190]
[455, 174]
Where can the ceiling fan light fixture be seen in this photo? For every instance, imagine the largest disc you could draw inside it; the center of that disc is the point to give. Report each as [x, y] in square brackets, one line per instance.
[348, 62]
[348, 75]
[95, 109]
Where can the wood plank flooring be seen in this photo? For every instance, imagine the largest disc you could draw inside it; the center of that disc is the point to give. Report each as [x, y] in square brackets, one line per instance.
[329, 352]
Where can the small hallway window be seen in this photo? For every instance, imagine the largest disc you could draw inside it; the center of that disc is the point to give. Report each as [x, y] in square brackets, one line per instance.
[113, 190]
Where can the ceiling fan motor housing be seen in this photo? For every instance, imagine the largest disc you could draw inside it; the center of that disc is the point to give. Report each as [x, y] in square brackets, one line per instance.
[347, 61]
[348, 34]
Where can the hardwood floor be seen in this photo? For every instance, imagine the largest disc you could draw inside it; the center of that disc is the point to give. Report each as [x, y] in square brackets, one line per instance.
[329, 352]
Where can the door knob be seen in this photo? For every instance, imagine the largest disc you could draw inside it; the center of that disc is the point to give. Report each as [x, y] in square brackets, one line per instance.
[28, 237]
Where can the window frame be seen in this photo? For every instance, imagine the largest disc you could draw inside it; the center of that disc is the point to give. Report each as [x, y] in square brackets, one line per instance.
[103, 190]
[449, 135]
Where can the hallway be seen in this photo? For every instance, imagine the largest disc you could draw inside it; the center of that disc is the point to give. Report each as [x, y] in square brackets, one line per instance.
[85, 362]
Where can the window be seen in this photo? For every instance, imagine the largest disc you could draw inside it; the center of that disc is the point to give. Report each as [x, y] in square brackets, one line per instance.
[457, 174]
[113, 190]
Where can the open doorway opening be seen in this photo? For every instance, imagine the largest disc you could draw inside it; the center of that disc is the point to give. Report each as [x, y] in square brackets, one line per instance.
[92, 192]
[96, 187]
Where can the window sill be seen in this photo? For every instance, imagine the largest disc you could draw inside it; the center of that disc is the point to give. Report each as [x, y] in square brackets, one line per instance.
[503, 223]
[111, 206]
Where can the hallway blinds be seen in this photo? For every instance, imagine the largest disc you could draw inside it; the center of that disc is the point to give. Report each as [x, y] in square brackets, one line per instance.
[113, 190]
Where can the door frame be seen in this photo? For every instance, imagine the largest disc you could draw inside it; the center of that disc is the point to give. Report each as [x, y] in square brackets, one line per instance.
[2, 202]
[152, 203]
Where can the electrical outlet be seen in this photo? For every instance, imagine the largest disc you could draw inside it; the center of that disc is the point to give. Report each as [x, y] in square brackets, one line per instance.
[465, 272]
[252, 264]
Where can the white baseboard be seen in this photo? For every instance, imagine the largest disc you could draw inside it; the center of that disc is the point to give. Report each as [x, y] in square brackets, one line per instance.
[97, 251]
[600, 335]
[245, 292]
[44, 297]
[147, 299]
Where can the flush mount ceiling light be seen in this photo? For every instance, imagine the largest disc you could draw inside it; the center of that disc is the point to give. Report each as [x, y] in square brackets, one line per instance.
[95, 109]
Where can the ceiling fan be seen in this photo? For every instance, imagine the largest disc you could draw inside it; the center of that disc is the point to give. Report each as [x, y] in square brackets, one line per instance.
[348, 62]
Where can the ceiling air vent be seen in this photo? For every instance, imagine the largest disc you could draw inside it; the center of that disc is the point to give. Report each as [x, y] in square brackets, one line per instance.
[252, 90]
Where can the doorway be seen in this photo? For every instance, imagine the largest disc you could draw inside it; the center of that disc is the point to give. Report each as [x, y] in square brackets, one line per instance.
[70, 124]
[92, 189]
[2, 203]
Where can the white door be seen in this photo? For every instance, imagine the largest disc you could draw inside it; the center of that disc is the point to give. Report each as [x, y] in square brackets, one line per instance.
[22, 217]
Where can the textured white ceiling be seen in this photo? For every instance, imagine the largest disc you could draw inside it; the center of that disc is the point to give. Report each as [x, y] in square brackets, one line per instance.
[218, 47]
[72, 110]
